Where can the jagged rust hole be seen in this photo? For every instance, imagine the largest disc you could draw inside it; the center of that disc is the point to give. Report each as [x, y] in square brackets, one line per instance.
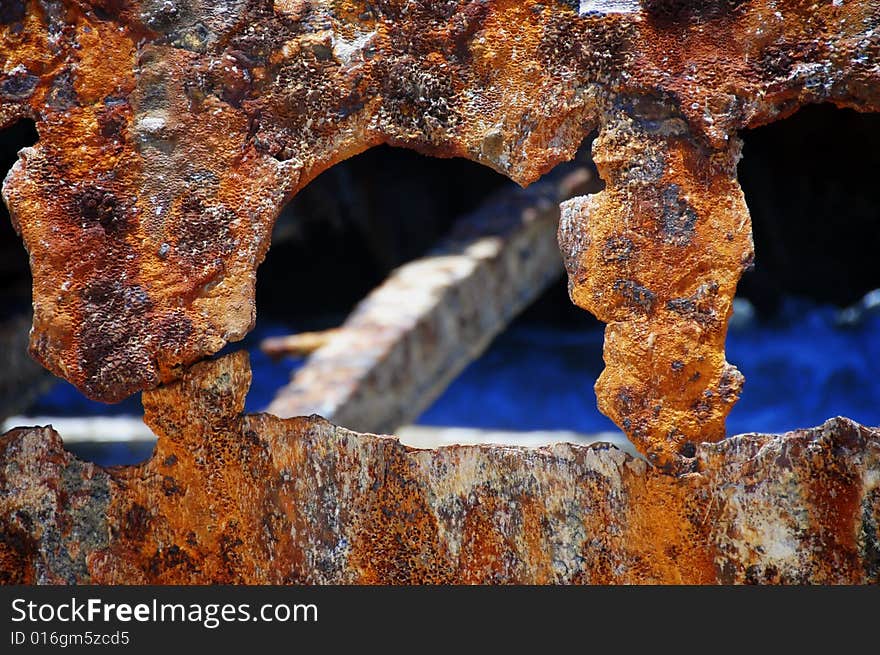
[350, 227]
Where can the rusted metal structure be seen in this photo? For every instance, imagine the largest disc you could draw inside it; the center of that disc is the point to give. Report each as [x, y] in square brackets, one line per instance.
[257, 499]
[171, 133]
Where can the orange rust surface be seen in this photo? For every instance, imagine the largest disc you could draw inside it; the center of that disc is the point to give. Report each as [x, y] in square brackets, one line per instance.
[228, 498]
[657, 255]
[172, 133]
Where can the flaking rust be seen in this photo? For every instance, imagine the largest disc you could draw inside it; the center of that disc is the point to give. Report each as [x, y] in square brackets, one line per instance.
[172, 132]
[228, 498]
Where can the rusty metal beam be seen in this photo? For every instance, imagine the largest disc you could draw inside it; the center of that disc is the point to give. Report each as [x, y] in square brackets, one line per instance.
[410, 337]
[301, 344]
[258, 499]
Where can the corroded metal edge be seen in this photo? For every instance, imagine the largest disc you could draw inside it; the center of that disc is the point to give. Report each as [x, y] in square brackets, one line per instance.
[257, 499]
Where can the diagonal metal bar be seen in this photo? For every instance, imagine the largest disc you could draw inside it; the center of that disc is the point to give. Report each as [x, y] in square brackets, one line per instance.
[409, 338]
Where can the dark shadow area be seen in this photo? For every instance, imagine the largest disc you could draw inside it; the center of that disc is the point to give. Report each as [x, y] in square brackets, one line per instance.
[123, 453]
[21, 379]
[341, 235]
[810, 182]
[15, 278]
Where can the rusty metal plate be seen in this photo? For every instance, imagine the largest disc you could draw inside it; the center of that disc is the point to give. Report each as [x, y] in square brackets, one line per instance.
[171, 133]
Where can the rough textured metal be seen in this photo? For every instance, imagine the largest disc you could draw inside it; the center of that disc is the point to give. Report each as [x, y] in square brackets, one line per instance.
[411, 336]
[172, 132]
[254, 499]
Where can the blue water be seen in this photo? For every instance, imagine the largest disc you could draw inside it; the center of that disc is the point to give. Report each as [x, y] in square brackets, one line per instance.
[800, 369]
[806, 368]
[531, 378]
